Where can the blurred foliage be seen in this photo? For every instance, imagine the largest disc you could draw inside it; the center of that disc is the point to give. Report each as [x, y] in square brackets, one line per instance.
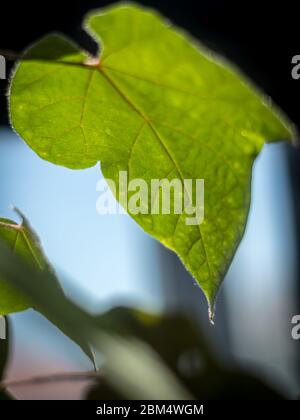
[149, 377]
[139, 355]
[185, 351]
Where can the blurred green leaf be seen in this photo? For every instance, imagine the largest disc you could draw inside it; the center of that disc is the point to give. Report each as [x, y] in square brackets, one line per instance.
[139, 355]
[23, 242]
[184, 350]
[132, 367]
[155, 104]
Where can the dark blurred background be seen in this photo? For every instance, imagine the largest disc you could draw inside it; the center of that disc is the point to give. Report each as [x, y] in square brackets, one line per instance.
[263, 292]
[260, 36]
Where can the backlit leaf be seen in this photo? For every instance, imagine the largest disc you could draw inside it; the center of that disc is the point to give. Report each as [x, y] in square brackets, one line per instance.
[155, 104]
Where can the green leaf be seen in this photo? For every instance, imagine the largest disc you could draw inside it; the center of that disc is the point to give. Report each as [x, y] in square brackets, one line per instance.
[155, 104]
[23, 242]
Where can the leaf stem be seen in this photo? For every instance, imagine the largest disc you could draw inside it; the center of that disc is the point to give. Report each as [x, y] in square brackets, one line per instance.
[10, 226]
[55, 377]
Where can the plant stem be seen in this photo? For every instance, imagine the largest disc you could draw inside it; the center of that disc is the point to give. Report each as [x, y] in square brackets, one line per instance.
[55, 377]
[10, 226]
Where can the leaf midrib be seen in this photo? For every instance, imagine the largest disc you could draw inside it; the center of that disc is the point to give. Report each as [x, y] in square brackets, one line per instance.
[156, 134]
